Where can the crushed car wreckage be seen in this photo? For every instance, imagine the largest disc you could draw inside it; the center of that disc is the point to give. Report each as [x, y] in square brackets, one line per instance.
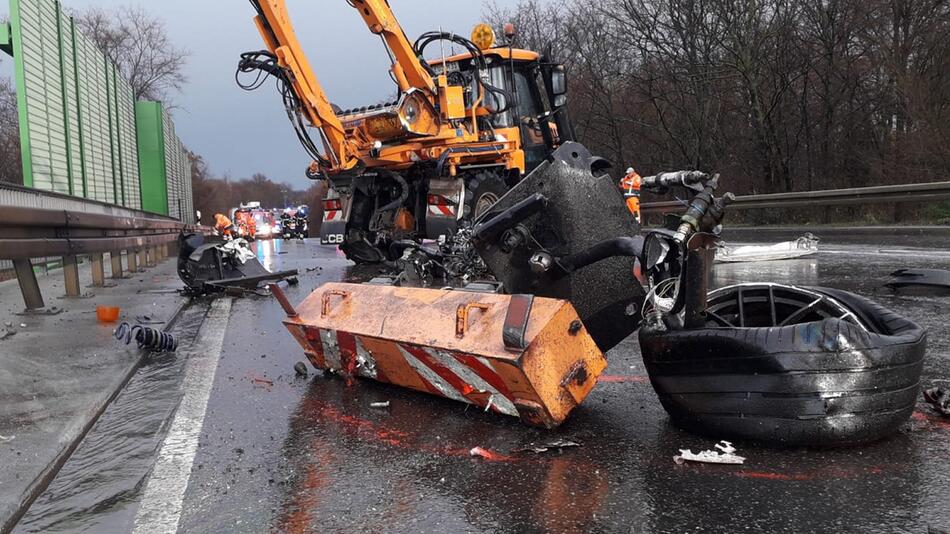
[558, 272]
[217, 267]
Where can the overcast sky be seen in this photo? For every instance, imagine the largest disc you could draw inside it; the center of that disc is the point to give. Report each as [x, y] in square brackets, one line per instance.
[241, 133]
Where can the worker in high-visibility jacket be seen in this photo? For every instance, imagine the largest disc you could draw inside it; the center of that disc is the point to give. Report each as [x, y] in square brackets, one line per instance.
[223, 225]
[630, 186]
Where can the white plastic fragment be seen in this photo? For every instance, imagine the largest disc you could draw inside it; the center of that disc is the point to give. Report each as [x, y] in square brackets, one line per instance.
[6, 439]
[725, 455]
[380, 405]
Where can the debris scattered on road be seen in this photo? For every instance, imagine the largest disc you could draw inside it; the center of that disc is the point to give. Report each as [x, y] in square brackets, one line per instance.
[788, 250]
[8, 324]
[940, 399]
[262, 382]
[146, 338]
[301, 369]
[22, 325]
[545, 447]
[380, 404]
[725, 455]
[6, 439]
[6, 332]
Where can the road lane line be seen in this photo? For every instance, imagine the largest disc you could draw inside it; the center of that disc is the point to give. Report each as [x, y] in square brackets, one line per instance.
[161, 507]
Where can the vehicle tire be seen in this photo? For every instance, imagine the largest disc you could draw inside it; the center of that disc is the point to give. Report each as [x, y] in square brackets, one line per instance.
[482, 191]
[832, 381]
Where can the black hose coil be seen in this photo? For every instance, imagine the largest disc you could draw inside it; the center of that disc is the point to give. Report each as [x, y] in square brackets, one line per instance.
[147, 338]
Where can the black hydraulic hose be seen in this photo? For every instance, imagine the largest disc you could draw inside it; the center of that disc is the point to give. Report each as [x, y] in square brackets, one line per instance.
[618, 246]
[403, 195]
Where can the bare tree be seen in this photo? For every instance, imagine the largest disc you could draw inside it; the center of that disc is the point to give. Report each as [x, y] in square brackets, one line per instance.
[11, 169]
[140, 46]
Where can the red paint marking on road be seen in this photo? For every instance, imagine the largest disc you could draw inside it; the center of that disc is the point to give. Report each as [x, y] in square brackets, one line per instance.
[763, 475]
[371, 431]
[931, 420]
[619, 379]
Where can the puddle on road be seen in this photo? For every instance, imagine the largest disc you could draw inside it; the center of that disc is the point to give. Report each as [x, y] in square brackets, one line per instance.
[99, 487]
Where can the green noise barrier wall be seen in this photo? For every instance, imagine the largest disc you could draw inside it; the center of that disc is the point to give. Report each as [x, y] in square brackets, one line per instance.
[78, 118]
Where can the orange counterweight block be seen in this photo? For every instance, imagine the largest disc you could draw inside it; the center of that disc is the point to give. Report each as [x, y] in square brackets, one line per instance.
[518, 355]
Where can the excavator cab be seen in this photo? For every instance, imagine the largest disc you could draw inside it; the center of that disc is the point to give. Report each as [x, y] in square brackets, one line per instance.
[537, 113]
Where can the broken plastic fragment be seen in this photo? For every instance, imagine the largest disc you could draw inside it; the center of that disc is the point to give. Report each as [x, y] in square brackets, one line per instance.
[726, 456]
[6, 439]
[380, 405]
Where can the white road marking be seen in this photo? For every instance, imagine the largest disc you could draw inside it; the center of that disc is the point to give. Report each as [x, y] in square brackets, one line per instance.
[161, 506]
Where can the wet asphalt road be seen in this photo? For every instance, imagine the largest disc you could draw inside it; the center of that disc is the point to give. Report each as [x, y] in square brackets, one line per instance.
[278, 453]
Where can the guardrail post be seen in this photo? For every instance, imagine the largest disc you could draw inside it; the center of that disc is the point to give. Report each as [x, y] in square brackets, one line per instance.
[98, 270]
[116, 257]
[71, 275]
[32, 296]
[133, 261]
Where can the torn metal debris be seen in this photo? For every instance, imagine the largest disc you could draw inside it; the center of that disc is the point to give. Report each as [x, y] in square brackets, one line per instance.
[806, 245]
[217, 267]
[724, 455]
[550, 445]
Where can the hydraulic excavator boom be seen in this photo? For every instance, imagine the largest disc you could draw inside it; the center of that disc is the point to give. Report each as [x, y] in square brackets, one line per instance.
[273, 23]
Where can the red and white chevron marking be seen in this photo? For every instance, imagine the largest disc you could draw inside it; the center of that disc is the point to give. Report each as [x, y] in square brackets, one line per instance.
[461, 377]
[333, 215]
[441, 210]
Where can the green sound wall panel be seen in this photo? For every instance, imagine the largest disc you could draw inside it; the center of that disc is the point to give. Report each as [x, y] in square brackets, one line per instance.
[77, 114]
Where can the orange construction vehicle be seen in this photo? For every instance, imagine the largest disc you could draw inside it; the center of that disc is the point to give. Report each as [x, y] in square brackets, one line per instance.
[463, 130]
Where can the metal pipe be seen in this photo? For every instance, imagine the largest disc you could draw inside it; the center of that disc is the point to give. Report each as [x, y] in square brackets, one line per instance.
[29, 287]
[700, 255]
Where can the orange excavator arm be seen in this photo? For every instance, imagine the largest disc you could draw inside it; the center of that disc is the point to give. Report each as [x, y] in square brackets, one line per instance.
[273, 23]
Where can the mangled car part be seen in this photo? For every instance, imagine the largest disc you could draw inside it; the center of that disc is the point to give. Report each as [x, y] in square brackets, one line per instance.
[517, 355]
[544, 236]
[804, 246]
[216, 267]
[788, 365]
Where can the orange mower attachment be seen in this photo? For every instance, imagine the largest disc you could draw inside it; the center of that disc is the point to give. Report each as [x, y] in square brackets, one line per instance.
[519, 355]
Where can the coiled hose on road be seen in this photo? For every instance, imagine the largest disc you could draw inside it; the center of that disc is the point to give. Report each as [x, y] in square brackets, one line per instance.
[147, 338]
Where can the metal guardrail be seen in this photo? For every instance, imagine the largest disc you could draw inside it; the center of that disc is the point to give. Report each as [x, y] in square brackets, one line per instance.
[884, 194]
[79, 227]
